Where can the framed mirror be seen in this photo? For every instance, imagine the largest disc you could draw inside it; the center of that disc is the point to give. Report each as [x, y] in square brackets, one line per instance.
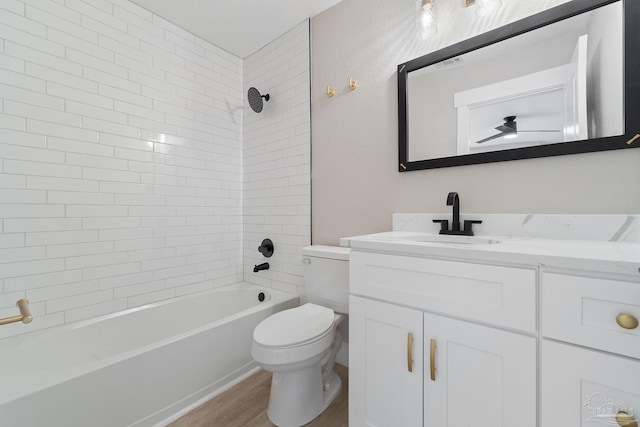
[563, 81]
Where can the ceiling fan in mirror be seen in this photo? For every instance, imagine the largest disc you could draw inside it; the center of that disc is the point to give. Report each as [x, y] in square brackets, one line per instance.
[510, 129]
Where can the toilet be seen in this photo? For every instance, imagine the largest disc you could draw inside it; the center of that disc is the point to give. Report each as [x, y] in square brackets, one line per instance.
[299, 345]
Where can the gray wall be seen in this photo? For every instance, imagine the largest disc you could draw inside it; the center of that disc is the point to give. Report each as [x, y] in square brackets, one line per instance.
[355, 184]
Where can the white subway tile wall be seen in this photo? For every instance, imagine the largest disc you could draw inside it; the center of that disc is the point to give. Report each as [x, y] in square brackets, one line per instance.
[121, 151]
[277, 161]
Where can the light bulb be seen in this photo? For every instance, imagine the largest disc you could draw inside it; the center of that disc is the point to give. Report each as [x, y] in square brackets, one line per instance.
[487, 7]
[426, 19]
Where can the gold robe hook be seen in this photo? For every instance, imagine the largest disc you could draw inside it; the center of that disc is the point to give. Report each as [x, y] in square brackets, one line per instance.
[352, 84]
[330, 91]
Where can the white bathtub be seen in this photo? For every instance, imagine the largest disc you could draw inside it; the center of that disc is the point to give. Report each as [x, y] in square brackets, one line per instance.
[141, 367]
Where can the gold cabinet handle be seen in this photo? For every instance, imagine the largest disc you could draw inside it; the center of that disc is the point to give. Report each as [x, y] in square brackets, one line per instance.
[409, 352]
[626, 420]
[627, 321]
[432, 359]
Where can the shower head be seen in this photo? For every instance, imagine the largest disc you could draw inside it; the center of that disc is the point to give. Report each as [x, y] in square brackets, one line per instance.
[255, 99]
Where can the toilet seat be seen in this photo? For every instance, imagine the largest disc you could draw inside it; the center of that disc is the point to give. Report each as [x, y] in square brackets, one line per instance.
[295, 327]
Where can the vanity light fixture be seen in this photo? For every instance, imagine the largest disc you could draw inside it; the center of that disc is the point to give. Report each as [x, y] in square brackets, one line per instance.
[426, 19]
[485, 7]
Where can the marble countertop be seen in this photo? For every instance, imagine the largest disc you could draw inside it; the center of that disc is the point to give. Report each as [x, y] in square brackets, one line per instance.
[600, 256]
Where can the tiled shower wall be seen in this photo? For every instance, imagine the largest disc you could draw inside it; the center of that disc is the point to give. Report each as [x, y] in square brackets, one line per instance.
[277, 150]
[121, 159]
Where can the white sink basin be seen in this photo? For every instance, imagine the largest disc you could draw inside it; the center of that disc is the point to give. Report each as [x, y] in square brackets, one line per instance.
[449, 239]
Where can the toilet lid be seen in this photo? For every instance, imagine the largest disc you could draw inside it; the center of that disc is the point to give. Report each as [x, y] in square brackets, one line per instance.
[294, 326]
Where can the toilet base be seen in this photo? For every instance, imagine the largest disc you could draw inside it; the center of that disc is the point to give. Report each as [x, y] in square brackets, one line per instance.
[332, 389]
[293, 405]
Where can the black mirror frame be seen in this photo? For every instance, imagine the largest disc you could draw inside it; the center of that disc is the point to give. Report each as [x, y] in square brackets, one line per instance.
[631, 137]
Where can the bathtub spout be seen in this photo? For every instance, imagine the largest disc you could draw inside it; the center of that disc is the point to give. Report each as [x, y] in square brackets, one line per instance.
[263, 266]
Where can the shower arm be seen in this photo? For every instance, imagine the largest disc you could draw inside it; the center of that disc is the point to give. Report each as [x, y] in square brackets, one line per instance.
[25, 314]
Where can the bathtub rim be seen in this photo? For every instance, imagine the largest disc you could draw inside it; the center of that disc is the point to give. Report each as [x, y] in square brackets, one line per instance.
[48, 378]
[103, 317]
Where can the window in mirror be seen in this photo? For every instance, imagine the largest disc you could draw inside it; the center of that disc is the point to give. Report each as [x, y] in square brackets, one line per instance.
[554, 85]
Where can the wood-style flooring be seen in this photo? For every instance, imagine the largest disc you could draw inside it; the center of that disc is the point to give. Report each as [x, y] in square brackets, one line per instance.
[245, 405]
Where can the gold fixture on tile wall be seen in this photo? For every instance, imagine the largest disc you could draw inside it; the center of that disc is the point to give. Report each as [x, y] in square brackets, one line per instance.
[25, 314]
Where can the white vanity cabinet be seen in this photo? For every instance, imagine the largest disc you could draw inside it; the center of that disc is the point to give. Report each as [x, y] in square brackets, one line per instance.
[385, 364]
[594, 373]
[587, 388]
[527, 330]
[466, 368]
[481, 376]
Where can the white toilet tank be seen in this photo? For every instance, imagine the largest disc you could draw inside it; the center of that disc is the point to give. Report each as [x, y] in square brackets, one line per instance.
[326, 276]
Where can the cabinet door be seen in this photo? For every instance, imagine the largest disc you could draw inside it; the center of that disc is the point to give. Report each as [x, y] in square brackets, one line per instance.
[586, 388]
[484, 377]
[385, 364]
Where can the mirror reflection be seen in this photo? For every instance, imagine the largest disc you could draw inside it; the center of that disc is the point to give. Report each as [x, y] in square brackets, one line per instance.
[559, 83]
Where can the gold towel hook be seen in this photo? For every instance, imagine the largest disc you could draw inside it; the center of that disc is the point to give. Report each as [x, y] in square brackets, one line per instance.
[352, 84]
[25, 313]
[330, 91]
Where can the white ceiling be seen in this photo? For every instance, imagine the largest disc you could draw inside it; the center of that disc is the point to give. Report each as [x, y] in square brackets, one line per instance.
[240, 27]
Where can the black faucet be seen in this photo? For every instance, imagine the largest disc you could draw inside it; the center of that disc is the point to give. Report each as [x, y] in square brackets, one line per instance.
[454, 200]
[263, 266]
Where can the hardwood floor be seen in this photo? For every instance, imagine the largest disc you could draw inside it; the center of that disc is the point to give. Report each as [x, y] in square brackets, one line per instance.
[245, 405]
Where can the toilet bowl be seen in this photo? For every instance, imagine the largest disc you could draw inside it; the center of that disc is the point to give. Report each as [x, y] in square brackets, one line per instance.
[299, 345]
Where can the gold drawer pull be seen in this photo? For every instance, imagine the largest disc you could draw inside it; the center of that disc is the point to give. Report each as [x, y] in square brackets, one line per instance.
[627, 321]
[410, 352]
[626, 420]
[432, 359]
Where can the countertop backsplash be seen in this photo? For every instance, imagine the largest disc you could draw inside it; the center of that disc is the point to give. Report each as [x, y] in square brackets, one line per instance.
[612, 228]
